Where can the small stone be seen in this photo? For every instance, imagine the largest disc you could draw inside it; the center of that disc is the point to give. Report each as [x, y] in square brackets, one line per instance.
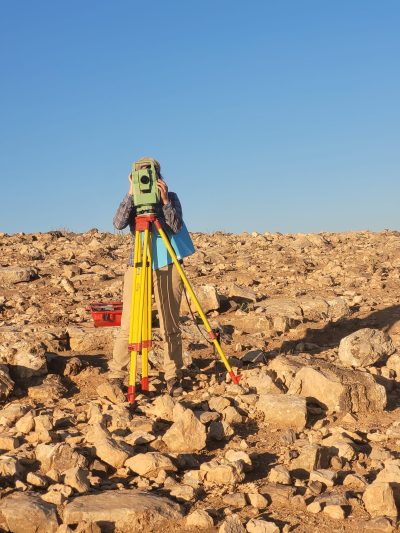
[36, 480]
[261, 526]
[150, 464]
[232, 524]
[378, 525]
[26, 423]
[335, 511]
[314, 507]
[279, 474]
[312, 457]
[111, 391]
[238, 499]
[327, 477]
[107, 449]
[77, 478]
[184, 493]
[200, 519]
[187, 434]
[229, 474]
[355, 481]
[16, 274]
[8, 442]
[257, 500]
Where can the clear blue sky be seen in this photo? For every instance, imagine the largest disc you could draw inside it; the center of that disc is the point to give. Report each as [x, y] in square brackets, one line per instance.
[265, 115]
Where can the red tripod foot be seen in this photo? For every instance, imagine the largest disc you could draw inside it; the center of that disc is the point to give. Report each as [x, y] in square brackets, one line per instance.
[234, 378]
[131, 394]
[145, 384]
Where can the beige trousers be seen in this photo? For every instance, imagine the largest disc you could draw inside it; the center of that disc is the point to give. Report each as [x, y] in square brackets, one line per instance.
[167, 287]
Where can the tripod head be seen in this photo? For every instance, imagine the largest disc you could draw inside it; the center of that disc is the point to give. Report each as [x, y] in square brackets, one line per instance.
[146, 195]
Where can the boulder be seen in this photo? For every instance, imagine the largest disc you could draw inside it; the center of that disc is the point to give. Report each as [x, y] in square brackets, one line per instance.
[340, 390]
[16, 275]
[365, 347]
[283, 411]
[125, 510]
[28, 360]
[25, 512]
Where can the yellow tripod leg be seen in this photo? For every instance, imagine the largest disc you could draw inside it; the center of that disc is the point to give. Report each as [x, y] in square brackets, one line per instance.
[137, 346]
[146, 336]
[133, 320]
[203, 317]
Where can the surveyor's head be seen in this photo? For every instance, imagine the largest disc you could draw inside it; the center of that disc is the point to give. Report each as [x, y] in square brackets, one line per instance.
[143, 162]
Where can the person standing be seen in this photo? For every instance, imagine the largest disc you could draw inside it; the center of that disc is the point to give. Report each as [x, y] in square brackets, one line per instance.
[167, 283]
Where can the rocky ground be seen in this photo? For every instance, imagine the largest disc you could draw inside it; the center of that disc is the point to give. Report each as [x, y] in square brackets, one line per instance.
[309, 440]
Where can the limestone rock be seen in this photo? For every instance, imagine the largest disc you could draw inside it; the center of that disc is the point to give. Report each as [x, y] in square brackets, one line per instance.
[28, 360]
[199, 519]
[208, 297]
[228, 474]
[107, 448]
[6, 383]
[150, 464]
[312, 457]
[232, 524]
[87, 340]
[16, 275]
[261, 526]
[77, 478]
[279, 474]
[52, 388]
[187, 434]
[379, 500]
[340, 390]
[126, 510]
[365, 347]
[60, 456]
[111, 391]
[283, 410]
[27, 513]
[10, 466]
[163, 407]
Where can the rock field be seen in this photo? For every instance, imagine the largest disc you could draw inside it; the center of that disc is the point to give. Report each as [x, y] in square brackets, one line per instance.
[308, 442]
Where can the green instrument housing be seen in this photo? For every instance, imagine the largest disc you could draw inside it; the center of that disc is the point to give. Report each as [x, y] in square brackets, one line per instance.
[146, 194]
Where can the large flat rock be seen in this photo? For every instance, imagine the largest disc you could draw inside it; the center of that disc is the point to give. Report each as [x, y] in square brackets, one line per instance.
[128, 510]
[27, 513]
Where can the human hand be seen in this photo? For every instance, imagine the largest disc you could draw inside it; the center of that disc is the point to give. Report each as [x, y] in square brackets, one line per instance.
[130, 184]
[163, 188]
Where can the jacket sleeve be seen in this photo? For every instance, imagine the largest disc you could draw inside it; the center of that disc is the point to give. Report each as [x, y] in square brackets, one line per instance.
[173, 213]
[124, 213]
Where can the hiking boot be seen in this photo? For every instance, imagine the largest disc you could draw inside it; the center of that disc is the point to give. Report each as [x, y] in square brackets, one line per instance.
[174, 387]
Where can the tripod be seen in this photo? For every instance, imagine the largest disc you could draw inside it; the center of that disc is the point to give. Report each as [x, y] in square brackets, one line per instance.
[140, 328]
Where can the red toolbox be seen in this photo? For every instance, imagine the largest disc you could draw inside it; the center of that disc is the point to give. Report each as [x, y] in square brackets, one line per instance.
[105, 314]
